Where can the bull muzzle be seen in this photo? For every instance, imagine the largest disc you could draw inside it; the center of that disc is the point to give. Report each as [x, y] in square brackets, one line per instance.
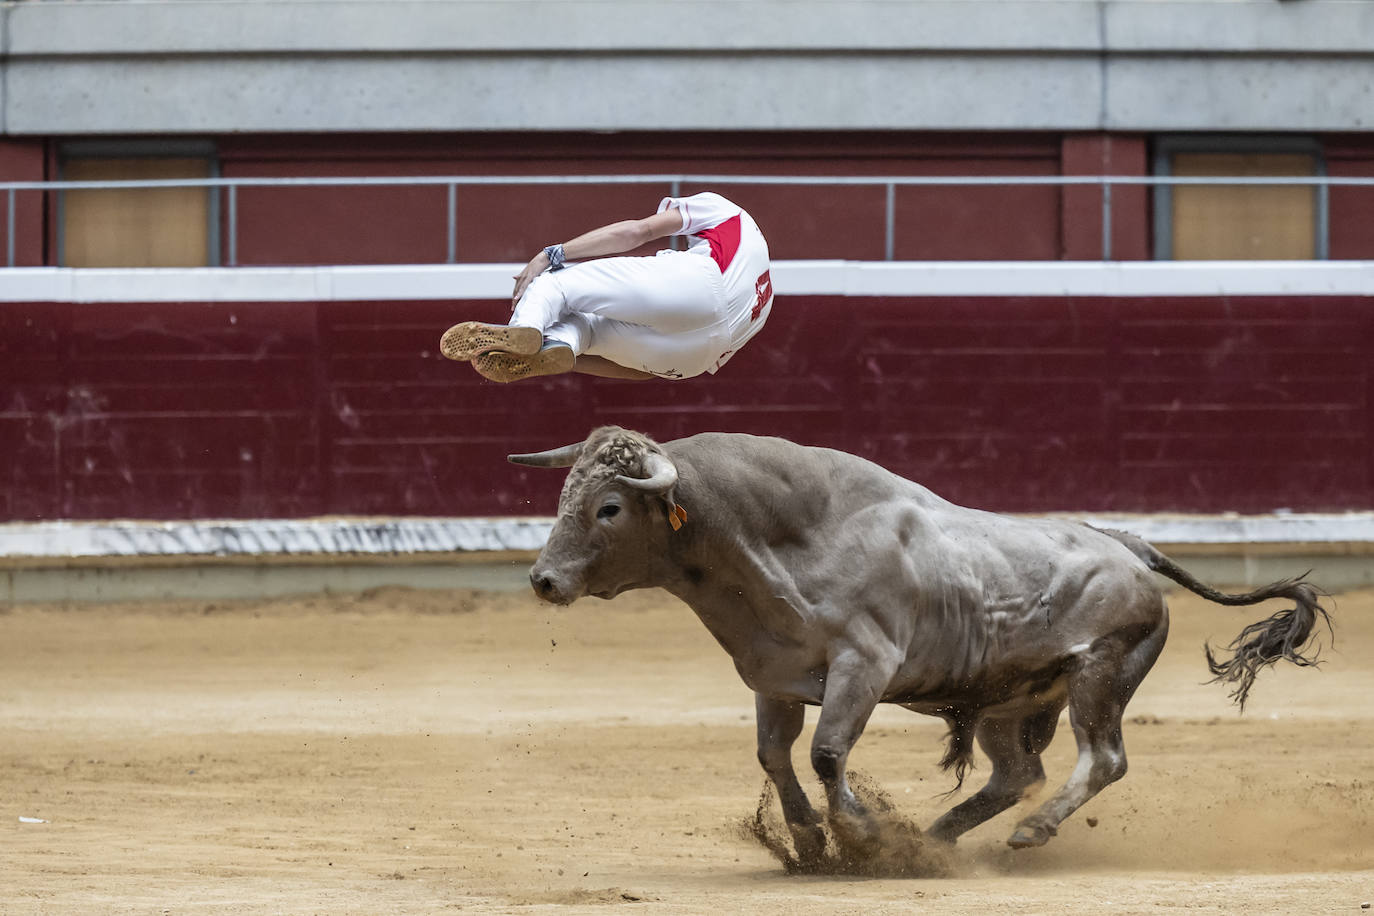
[550, 587]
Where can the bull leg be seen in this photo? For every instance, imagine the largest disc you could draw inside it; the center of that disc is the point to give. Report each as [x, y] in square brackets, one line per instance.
[1013, 746]
[1098, 692]
[780, 723]
[853, 686]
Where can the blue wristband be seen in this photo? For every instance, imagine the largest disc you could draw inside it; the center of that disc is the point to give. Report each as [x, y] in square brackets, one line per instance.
[555, 253]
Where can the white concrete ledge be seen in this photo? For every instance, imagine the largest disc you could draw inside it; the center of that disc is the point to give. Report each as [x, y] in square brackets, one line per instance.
[88, 543]
[1314, 529]
[790, 278]
[43, 543]
[1074, 278]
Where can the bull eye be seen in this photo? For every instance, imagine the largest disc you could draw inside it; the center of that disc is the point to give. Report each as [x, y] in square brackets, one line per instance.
[610, 510]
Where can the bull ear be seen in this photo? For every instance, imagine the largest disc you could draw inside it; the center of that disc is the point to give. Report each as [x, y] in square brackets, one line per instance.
[662, 475]
[564, 457]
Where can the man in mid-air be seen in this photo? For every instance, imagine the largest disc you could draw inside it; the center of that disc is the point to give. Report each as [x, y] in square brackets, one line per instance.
[673, 315]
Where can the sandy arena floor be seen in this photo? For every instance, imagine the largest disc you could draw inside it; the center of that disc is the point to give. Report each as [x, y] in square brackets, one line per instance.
[423, 752]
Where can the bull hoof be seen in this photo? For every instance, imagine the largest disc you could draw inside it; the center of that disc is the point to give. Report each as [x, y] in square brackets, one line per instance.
[943, 839]
[858, 838]
[810, 844]
[1028, 835]
[940, 833]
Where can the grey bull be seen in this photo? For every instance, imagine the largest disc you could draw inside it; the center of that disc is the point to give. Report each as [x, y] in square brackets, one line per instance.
[833, 582]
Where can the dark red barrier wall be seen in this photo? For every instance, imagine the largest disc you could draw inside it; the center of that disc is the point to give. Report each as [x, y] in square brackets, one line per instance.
[298, 409]
[25, 160]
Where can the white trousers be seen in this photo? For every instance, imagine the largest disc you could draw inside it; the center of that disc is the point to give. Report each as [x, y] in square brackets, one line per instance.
[666, 315]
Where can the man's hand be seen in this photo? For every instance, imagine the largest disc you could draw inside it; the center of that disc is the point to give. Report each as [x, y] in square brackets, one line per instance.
[537, 265]
[614, 238]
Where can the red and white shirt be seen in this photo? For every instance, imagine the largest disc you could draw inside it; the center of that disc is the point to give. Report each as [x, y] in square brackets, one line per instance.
[723, 231]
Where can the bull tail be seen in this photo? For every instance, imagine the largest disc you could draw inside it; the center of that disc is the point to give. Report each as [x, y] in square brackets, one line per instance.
[1288, 634]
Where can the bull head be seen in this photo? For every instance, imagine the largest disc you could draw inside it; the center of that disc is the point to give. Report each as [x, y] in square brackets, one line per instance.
[610, 528]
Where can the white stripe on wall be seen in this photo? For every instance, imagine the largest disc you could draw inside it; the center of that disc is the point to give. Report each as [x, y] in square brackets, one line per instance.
[47, 543]
[790, 278]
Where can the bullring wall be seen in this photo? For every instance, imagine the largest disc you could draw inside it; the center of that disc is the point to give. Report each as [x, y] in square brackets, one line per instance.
[1084, 388]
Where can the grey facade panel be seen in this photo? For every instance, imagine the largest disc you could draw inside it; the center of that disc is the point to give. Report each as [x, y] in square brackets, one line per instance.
[612, 93]
[1246, 94]
[474, 26]
[1239, 26]
[99, 68]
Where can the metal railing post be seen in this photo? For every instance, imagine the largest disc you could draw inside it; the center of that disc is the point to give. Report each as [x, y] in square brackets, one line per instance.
[890, 224]
[233, 225]
[675, 190]
[1106, 219]
[1322, 243]
[451, 253]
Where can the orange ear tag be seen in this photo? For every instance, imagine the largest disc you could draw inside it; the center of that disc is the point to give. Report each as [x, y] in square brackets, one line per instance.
[676, 516]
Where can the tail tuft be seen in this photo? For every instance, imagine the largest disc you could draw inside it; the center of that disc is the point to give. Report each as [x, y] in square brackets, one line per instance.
[1285, 635]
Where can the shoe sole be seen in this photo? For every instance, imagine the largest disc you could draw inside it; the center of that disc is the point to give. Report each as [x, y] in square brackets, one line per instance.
[499, 366]
[471, 339]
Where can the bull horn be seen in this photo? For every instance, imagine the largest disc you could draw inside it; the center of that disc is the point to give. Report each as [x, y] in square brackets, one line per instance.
[662, 475]
[564, 457]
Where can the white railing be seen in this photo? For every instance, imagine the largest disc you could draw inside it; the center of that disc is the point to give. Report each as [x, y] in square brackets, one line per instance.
[673, 184]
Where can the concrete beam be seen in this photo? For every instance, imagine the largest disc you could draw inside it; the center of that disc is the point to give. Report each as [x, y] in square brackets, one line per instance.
[128, 67]
[158, 27]
[562, 91]
[1274, 92]
[425, 26]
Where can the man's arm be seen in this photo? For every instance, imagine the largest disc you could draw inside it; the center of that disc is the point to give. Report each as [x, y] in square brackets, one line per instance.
[614, 238]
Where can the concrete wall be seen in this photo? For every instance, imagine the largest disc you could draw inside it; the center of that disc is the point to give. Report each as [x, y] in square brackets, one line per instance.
[93, 68]
[103, 561]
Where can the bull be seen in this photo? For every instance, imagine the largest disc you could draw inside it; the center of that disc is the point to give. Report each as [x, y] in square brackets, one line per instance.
[832, 582]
